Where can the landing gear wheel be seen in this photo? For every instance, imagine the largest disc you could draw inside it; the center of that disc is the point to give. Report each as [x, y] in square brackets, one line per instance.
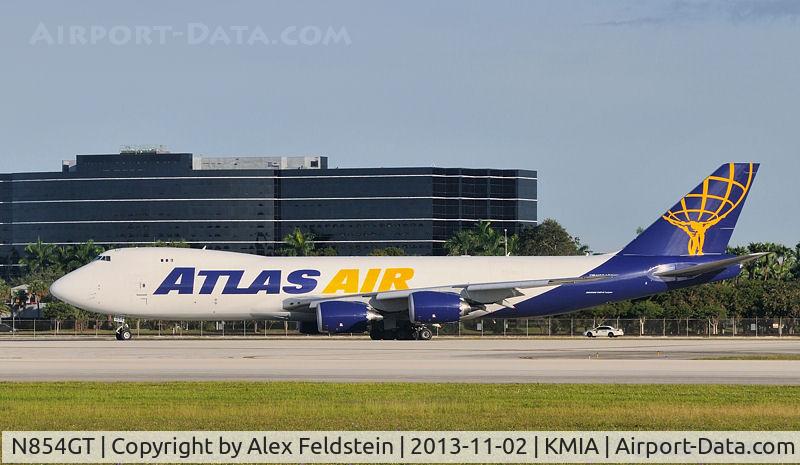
[424, 334]
[124, 333]
[376, 333]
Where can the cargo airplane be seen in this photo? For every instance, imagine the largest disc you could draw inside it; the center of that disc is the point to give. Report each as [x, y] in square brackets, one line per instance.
[400, 297]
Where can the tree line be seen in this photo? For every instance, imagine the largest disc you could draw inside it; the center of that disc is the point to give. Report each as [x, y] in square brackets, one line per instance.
[767, 288]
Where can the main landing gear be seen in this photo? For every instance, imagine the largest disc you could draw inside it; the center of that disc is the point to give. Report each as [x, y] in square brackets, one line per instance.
[123, 332]
[424, 333]
[404, 331]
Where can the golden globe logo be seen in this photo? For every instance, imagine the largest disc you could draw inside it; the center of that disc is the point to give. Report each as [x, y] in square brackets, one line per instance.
[697, 214]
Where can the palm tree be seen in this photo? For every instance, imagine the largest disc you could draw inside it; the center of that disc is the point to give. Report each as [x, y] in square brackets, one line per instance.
[480, 240]
[72, 257]
[85, 253]
[39, 256]
[39, 289]
[490, 242]
[776, 265]
[298, 244]
[785, 261]
[65, 258]
[513, 244]
[463, 242]
[19, 302]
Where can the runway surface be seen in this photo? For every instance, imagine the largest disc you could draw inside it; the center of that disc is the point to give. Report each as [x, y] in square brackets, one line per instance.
[441, 360]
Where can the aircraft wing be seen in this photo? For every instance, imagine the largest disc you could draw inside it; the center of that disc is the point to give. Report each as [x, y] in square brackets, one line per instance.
[481, 293]
[697, 270]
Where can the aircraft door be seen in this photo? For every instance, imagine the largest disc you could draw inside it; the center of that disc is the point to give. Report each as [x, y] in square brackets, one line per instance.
[141, 290]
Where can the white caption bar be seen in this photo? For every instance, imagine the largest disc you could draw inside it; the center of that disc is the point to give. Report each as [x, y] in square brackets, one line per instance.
[400, 446]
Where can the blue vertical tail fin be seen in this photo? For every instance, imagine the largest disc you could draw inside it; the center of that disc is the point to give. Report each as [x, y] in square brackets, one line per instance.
[701, 223]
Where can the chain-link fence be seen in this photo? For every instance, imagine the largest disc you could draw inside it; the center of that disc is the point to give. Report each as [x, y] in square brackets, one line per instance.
[538, 327]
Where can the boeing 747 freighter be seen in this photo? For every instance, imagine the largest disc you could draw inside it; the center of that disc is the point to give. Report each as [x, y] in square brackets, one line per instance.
[399, 297]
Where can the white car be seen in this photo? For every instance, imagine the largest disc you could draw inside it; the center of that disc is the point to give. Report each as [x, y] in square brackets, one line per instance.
[607, 331]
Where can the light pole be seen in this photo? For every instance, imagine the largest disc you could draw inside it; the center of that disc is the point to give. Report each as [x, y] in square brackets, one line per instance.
[505, 241]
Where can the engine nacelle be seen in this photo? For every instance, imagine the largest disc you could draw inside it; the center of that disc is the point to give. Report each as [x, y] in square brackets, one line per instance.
[337, 316]
[435, 307]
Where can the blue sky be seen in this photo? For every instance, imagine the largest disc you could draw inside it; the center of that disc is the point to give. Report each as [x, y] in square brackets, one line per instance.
[621, 106]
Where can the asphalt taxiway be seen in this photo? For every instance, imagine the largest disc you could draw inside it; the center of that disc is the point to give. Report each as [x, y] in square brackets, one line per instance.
[625, 360]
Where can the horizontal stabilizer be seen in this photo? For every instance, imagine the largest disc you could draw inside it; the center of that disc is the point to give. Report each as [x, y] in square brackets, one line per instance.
[696, 270]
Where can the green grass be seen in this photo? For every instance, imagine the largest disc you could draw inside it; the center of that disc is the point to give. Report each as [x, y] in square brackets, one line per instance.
[753, 357]
[378, 406]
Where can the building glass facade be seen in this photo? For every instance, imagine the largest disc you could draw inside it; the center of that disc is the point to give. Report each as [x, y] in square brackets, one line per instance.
[249, 205]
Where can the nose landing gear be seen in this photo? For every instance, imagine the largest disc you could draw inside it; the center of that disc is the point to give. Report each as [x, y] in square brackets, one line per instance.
[123, 332]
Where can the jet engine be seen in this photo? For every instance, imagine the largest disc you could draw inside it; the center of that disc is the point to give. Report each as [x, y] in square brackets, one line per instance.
[436, 307]
[336, 316]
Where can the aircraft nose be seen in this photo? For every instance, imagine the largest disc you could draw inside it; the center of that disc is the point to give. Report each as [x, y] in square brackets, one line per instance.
[68, 289]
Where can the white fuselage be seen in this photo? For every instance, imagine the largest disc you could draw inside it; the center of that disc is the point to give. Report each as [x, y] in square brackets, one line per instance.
[216, 285]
